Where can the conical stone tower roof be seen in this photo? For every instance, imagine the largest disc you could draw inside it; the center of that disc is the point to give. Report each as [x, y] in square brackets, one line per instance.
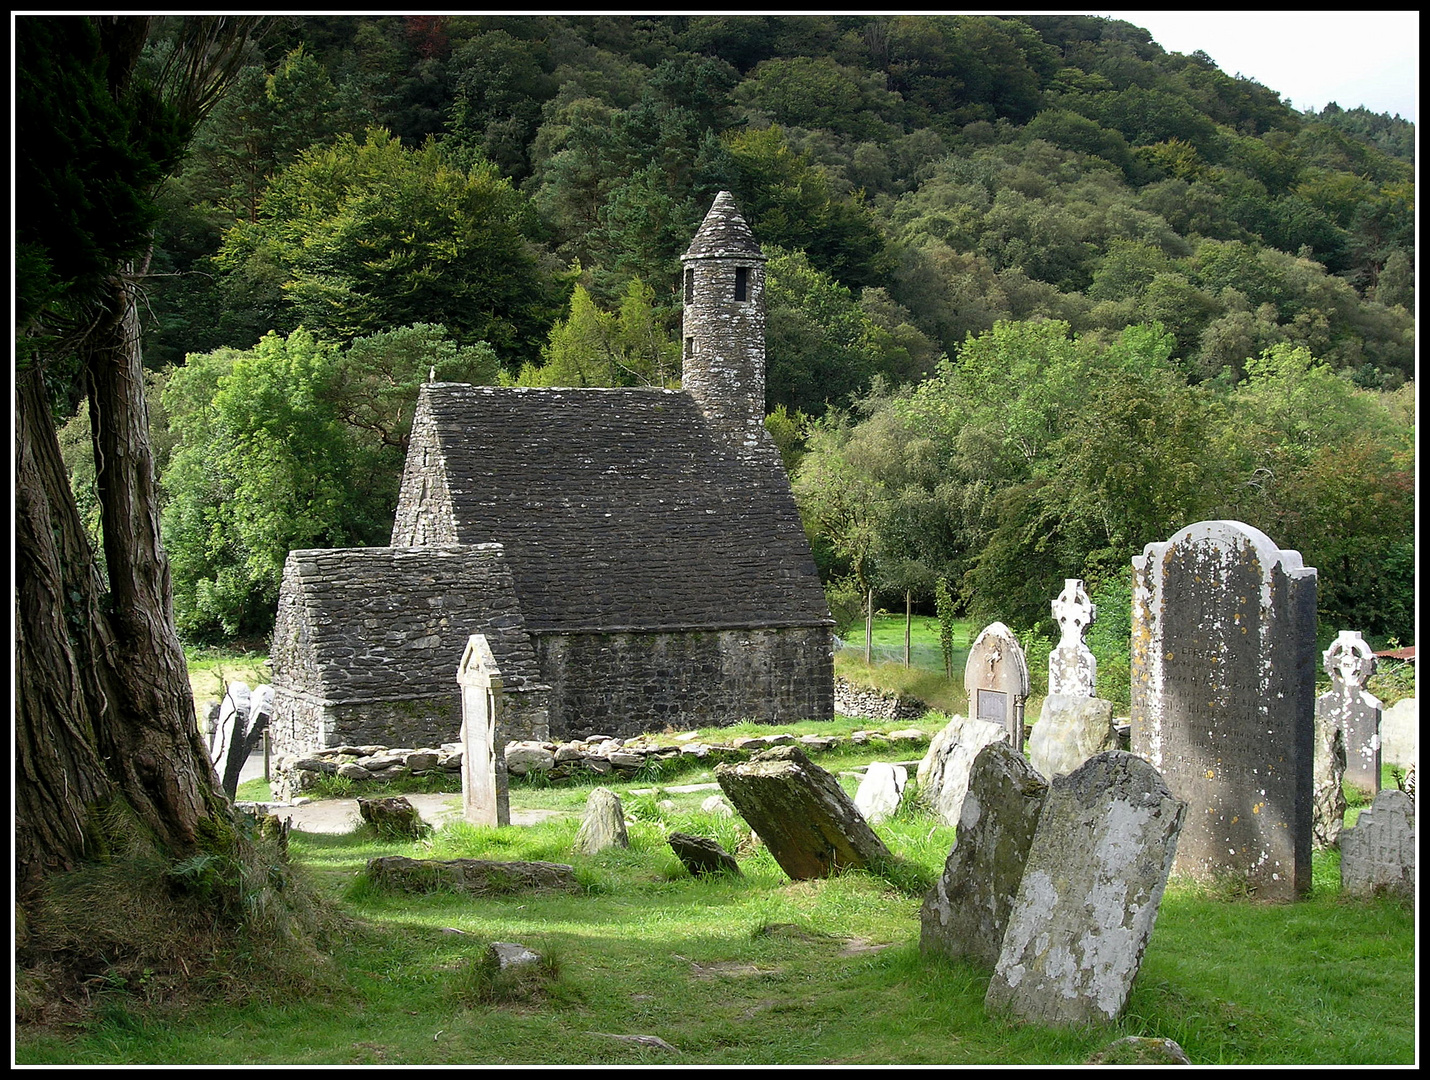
[723, 234]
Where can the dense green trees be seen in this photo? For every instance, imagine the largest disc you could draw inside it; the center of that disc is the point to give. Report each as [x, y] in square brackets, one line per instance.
[976, 226]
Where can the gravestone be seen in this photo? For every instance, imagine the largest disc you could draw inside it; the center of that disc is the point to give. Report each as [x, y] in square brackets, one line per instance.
[1223, 700]
[703, 856]
[1072, 669]
[1328, 808]
[966, 913]
[1351, 708]
[804, 817]
[1378, 852]
[996, 678]
[238, 730]
[943, 772]
[1075, 724]
[603, 826]
[880, 791]
[484, 783]
[1400, 733]
[1091, 887]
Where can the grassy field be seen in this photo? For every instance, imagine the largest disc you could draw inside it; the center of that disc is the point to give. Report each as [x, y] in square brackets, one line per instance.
[754, 970]
[745, 971]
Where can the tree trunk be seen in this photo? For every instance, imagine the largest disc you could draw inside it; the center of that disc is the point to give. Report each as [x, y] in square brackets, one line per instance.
[105, 717]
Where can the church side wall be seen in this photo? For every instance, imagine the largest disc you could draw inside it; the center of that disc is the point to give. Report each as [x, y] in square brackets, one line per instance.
[625, 684]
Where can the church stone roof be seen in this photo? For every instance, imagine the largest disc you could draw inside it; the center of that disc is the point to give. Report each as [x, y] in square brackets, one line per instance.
[723, 234]
[618, 510]
[391, 623]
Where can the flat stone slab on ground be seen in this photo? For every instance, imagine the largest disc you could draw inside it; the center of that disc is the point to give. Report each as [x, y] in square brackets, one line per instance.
[477, 876]
[703, 856]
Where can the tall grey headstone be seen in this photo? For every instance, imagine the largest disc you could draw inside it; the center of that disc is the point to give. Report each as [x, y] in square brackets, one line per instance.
[1074, 724]
[1089, 896]
[1349, 706]
[943, 773]
[1400, 733]
[1223, 700]
[484, 781]
[965, 914]
[1378, 852]
[996, 678]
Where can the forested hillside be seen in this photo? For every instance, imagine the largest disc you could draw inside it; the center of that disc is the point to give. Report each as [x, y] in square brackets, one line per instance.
[1039, 292]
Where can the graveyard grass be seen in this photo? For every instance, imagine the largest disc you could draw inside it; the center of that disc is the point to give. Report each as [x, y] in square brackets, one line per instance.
[747, 971]
[757, 970]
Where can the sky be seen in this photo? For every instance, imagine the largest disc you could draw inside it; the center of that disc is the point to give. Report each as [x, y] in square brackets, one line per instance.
[1367, 58]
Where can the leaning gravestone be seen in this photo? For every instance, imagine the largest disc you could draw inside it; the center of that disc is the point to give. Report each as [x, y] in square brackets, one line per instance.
[1349, 707]
[996, 678]
[1090, 892]
[1223, 700]
[603, 826]
[1075, 724]
[966, 913]
[943, 772]
[810, 825]
[1378, 853]
[703, 856]
[880, 791]
[485, 800]
[238, 731]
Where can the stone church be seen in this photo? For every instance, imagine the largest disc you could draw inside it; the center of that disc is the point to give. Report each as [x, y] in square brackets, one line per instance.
[635, 556]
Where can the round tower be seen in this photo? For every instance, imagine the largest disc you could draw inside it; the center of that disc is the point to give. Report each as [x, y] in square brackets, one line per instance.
[723, 328]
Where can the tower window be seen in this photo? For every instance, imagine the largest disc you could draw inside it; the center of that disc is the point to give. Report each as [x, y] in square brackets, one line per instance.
[742, 283]
[689, 285]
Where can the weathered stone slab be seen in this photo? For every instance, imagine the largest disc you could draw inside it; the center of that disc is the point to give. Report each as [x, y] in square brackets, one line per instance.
[1352, 709]
[702, 855]
[943, 772]
[996, 678]
[478, 876]
[1090, 892]
[486, 799]
[804, 817]
[1378, 852]
[965, 914]
[1070, 730]
[1141, 1050]
[880, 791]
[1328, 809]
[1223, 700]
[603, 826]
[511, 954]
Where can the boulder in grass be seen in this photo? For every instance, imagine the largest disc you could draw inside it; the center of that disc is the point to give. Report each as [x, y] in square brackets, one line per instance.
[604, 824]
[703, 856]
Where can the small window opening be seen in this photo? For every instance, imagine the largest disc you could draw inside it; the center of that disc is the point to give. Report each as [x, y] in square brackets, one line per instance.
[689, 285]
[742, 283]
[689, 347]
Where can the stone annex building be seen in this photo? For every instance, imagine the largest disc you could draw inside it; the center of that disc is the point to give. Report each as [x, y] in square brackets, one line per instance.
[634, 556]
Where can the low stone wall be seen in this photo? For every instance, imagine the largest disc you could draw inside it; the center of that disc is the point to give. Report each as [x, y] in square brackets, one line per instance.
[864, 701]
[623, 684]
[600, 755]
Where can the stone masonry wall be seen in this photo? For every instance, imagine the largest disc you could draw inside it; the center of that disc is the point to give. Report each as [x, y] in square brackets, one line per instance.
[624, 684]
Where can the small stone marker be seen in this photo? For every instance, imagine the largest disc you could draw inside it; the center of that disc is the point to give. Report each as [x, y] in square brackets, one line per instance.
[996, 678]
[393, 816]
[804, 817]
[485, 799]
[1141, 1050]
[1223, 700]
[510, 954]
[1090, 892]
[702, 855]
[880, 791]
[1074, 724]
[1378, 852]
[943, 772]
[965, 914]
[1351, 708]
[603, 826]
